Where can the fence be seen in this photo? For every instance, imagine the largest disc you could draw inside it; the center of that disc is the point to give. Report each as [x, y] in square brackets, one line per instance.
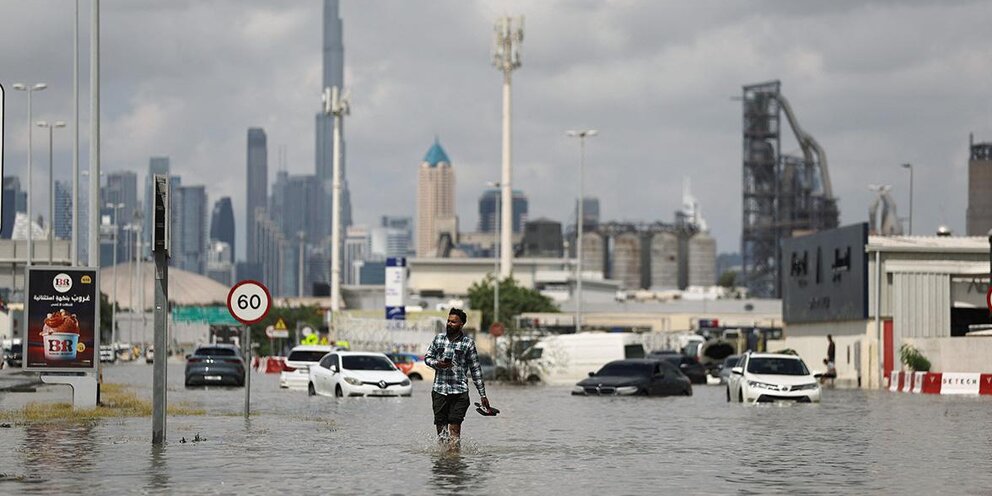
[412, 336]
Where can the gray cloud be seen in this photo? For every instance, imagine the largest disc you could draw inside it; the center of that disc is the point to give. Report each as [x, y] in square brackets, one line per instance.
[877, 83]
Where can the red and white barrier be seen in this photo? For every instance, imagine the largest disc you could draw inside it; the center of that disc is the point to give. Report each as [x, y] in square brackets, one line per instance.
[949, 383]
[268, 365]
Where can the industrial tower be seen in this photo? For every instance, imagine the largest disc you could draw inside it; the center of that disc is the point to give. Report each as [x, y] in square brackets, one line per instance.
[783, 195]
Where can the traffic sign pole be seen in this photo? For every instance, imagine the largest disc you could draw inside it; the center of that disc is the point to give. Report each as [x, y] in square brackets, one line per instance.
[249, 302]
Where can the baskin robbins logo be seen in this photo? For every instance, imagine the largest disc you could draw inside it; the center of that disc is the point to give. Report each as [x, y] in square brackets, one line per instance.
[62, 282]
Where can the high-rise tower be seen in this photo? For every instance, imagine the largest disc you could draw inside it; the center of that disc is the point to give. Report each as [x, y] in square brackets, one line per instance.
[258, 190]
[333, 62]
[437, 226]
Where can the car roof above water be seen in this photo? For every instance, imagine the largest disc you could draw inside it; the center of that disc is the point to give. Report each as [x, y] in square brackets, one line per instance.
[774, 355]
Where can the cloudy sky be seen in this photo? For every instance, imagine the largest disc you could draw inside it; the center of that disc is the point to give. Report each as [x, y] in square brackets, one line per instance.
[877, 83]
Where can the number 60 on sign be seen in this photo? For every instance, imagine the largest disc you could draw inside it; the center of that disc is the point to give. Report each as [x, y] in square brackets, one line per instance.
[249, 301]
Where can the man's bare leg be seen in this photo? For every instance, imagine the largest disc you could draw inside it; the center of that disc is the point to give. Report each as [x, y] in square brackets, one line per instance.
[442, 434]
[455, 430]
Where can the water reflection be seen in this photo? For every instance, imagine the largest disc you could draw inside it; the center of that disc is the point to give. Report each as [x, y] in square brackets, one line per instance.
[158, 470]
[451, 473]
[52, 451]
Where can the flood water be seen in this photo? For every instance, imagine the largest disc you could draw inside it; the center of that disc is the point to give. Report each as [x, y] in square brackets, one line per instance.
[544, 442]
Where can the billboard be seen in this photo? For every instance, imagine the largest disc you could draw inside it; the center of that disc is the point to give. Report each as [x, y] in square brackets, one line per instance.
[396, 288]
[61, 319]
[825, 276]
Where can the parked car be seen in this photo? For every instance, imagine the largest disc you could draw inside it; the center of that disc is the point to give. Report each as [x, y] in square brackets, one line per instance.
[643, 376]
[296, 368]
[352, 373]
[566, 358]
[107, 354]
[767, 377]
[728, 363]
[150, 354]
[219, 364]
[412, 365]
[688, 365]
[13, 352]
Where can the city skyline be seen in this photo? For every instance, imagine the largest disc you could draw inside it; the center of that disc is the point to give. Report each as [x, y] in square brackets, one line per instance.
[899, 99]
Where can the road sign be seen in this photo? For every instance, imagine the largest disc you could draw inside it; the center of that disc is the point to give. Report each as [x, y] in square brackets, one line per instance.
[307, 330]
[1, 149]
[274, 332]
[497, 329]
[249, 301]
[281, 325]
[161, 215]
[988, 298]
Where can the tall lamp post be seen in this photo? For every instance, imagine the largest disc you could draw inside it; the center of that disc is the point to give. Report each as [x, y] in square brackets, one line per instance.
[51, 186]
[30, 88]
[580, 220]
[910, 167]
[506, 58]
[113, 309]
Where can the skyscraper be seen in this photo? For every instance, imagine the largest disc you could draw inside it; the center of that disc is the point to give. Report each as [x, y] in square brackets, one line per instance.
[222, 224]
[404, 239]
[292, 208]
[333, 66]
[121, 188]
[156, 165]
[191, 232]
[257, 175]
[15, 201]
[437, 224]
[488, 212]
[979, 214]
[63, 210]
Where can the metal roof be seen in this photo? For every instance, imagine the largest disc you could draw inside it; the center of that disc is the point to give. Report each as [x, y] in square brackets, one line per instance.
[928, 244]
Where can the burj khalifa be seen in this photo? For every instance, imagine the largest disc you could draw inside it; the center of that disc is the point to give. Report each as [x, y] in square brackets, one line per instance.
[333, 61]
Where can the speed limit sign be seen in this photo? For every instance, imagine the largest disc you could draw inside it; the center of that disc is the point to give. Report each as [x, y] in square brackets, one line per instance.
[249, 301]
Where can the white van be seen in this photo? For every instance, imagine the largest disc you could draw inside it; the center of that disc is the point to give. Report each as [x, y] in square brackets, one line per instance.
[568, 358]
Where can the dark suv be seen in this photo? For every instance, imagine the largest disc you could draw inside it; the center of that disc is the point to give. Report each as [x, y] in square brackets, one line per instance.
[686, 364]
[216, 364]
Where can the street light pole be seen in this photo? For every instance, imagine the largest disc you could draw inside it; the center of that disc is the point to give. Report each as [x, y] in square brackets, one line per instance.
[506, 58]
[910, 167]
[30, 89]
[51, 186]
[113, 308]
[580, 220]
[74, 256]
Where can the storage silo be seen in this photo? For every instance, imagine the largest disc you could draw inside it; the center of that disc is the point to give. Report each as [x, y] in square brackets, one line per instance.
[664, 261]
[593, 252]
[626, 260]
[702, 260]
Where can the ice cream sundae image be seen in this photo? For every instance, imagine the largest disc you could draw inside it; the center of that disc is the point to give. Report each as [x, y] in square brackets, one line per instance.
[61, 335]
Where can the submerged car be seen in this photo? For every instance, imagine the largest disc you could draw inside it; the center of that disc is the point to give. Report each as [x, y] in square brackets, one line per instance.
[768, 377]
[688, 365]
[639, 376]
[217, 364]
[351, 373]
[412, 365]
[295, 372]
[728, 364]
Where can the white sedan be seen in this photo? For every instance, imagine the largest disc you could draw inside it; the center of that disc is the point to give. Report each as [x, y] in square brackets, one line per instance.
[352, 373]
[768, 377]
[296, 369]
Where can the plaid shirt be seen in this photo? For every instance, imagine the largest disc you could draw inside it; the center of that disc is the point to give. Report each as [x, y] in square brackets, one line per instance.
[465, 359]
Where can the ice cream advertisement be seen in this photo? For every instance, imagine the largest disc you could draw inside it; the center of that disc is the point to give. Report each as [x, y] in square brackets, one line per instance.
[60, 315]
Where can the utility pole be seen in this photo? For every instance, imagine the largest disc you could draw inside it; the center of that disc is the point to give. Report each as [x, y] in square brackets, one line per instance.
[338, 106]
[506, 58]
[580, 221]
[161, 220]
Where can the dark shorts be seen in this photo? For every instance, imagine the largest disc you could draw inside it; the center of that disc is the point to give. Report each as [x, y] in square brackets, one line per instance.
[449, 408]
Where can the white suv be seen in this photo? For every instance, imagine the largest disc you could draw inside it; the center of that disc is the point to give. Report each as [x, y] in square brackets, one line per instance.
[766, 377]
[296, 369]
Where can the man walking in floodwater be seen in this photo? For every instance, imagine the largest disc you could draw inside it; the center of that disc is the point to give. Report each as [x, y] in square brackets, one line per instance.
[453, 355]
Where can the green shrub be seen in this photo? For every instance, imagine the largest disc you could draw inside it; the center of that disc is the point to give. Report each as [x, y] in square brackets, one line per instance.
[912, 358]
